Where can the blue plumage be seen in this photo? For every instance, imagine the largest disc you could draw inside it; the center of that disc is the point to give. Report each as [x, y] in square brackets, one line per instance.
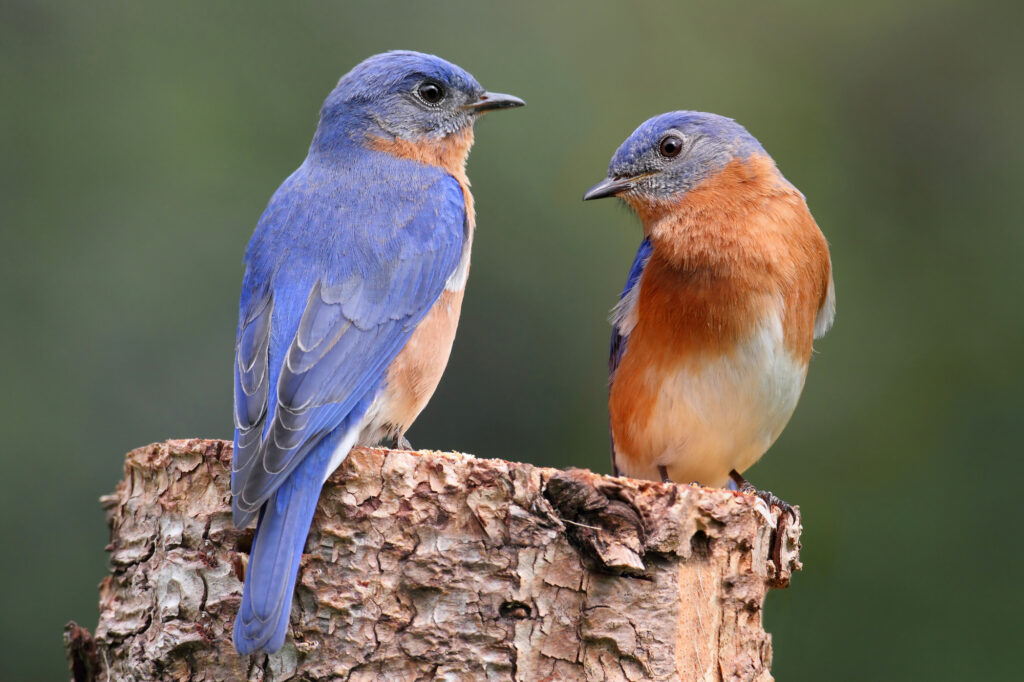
[262, 620]
[620, 334]
[352, 252]
[722, 131]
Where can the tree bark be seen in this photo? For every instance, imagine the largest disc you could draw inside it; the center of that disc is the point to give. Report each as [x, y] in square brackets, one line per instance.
[428, 565]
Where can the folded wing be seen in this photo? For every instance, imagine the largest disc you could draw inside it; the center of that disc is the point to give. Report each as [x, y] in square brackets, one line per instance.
[349, 282]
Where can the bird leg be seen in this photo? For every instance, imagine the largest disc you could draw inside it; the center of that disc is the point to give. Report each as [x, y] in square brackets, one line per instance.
[663, 471]
[395, 441]
[772, 500]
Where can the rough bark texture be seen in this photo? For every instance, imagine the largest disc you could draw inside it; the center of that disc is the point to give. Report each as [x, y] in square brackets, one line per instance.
[427, 565]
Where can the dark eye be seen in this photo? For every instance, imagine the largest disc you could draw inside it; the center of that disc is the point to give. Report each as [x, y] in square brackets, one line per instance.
[670, 147]
[431, 92]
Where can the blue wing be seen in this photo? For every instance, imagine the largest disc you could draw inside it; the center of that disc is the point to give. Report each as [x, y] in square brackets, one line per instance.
[342, 267]
[623, 319]
[624, 308]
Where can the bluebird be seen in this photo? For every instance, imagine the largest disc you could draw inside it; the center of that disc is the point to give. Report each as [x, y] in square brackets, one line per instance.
[727, 292]
[352, 291]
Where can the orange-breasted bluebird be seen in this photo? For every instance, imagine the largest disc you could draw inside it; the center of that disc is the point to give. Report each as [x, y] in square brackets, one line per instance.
[729, 288]
[353, 286]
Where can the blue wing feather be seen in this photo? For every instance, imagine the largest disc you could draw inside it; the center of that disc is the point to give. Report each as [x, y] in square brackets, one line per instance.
[342, 267]
[620, 335]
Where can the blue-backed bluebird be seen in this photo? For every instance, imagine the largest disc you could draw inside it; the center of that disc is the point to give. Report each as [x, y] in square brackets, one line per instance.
[353, 287]
[728, 290]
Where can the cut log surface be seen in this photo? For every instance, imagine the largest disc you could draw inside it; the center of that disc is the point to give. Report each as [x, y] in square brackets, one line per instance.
[430, 565]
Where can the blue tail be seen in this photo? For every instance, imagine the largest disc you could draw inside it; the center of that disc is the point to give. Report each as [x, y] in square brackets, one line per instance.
[262, 621]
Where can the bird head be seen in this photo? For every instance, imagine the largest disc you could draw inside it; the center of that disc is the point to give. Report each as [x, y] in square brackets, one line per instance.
[670, 154]
[405, 95]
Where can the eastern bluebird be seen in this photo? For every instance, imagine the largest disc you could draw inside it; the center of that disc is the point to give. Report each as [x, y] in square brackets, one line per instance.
[353, 286]
[728, 290]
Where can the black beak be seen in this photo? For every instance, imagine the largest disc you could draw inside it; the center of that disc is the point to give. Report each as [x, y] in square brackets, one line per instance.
[609, 187]
[489, 101]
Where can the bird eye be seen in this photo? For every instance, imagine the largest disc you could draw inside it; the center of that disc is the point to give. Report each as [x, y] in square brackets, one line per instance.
[670, 147]
[431, 92]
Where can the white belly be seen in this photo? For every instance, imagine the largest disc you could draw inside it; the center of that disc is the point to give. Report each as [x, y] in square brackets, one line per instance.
[717, 414]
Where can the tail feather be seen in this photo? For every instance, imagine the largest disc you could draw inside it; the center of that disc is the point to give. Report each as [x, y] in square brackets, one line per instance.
[262, 621]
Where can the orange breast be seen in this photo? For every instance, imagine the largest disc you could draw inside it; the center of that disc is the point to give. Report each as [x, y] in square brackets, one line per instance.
[416, 371]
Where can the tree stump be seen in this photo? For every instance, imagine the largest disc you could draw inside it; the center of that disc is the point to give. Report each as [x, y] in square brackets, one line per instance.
[429, 565]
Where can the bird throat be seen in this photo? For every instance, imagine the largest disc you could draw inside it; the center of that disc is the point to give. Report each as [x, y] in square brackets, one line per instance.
[449, 152]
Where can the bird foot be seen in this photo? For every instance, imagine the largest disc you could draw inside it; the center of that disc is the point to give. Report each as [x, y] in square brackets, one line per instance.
[770, 499]
[396, 442]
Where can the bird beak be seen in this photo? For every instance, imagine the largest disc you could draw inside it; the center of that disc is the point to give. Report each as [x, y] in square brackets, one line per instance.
[609, 187]
[489, 101]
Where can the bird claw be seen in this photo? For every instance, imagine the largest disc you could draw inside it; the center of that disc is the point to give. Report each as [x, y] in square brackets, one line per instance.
[767, 500]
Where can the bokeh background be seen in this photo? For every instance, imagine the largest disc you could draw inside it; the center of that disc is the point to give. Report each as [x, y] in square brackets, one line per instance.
[139, 143]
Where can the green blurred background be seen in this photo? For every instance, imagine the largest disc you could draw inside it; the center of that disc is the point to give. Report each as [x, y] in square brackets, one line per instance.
[139, 143]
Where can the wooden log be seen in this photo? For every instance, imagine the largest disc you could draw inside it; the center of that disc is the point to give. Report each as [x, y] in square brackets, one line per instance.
[429, 565]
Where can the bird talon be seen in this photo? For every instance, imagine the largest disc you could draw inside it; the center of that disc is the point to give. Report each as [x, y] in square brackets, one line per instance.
[768, 497]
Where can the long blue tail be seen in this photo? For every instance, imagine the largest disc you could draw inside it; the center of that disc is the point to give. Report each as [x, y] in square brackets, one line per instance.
[262, 621]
